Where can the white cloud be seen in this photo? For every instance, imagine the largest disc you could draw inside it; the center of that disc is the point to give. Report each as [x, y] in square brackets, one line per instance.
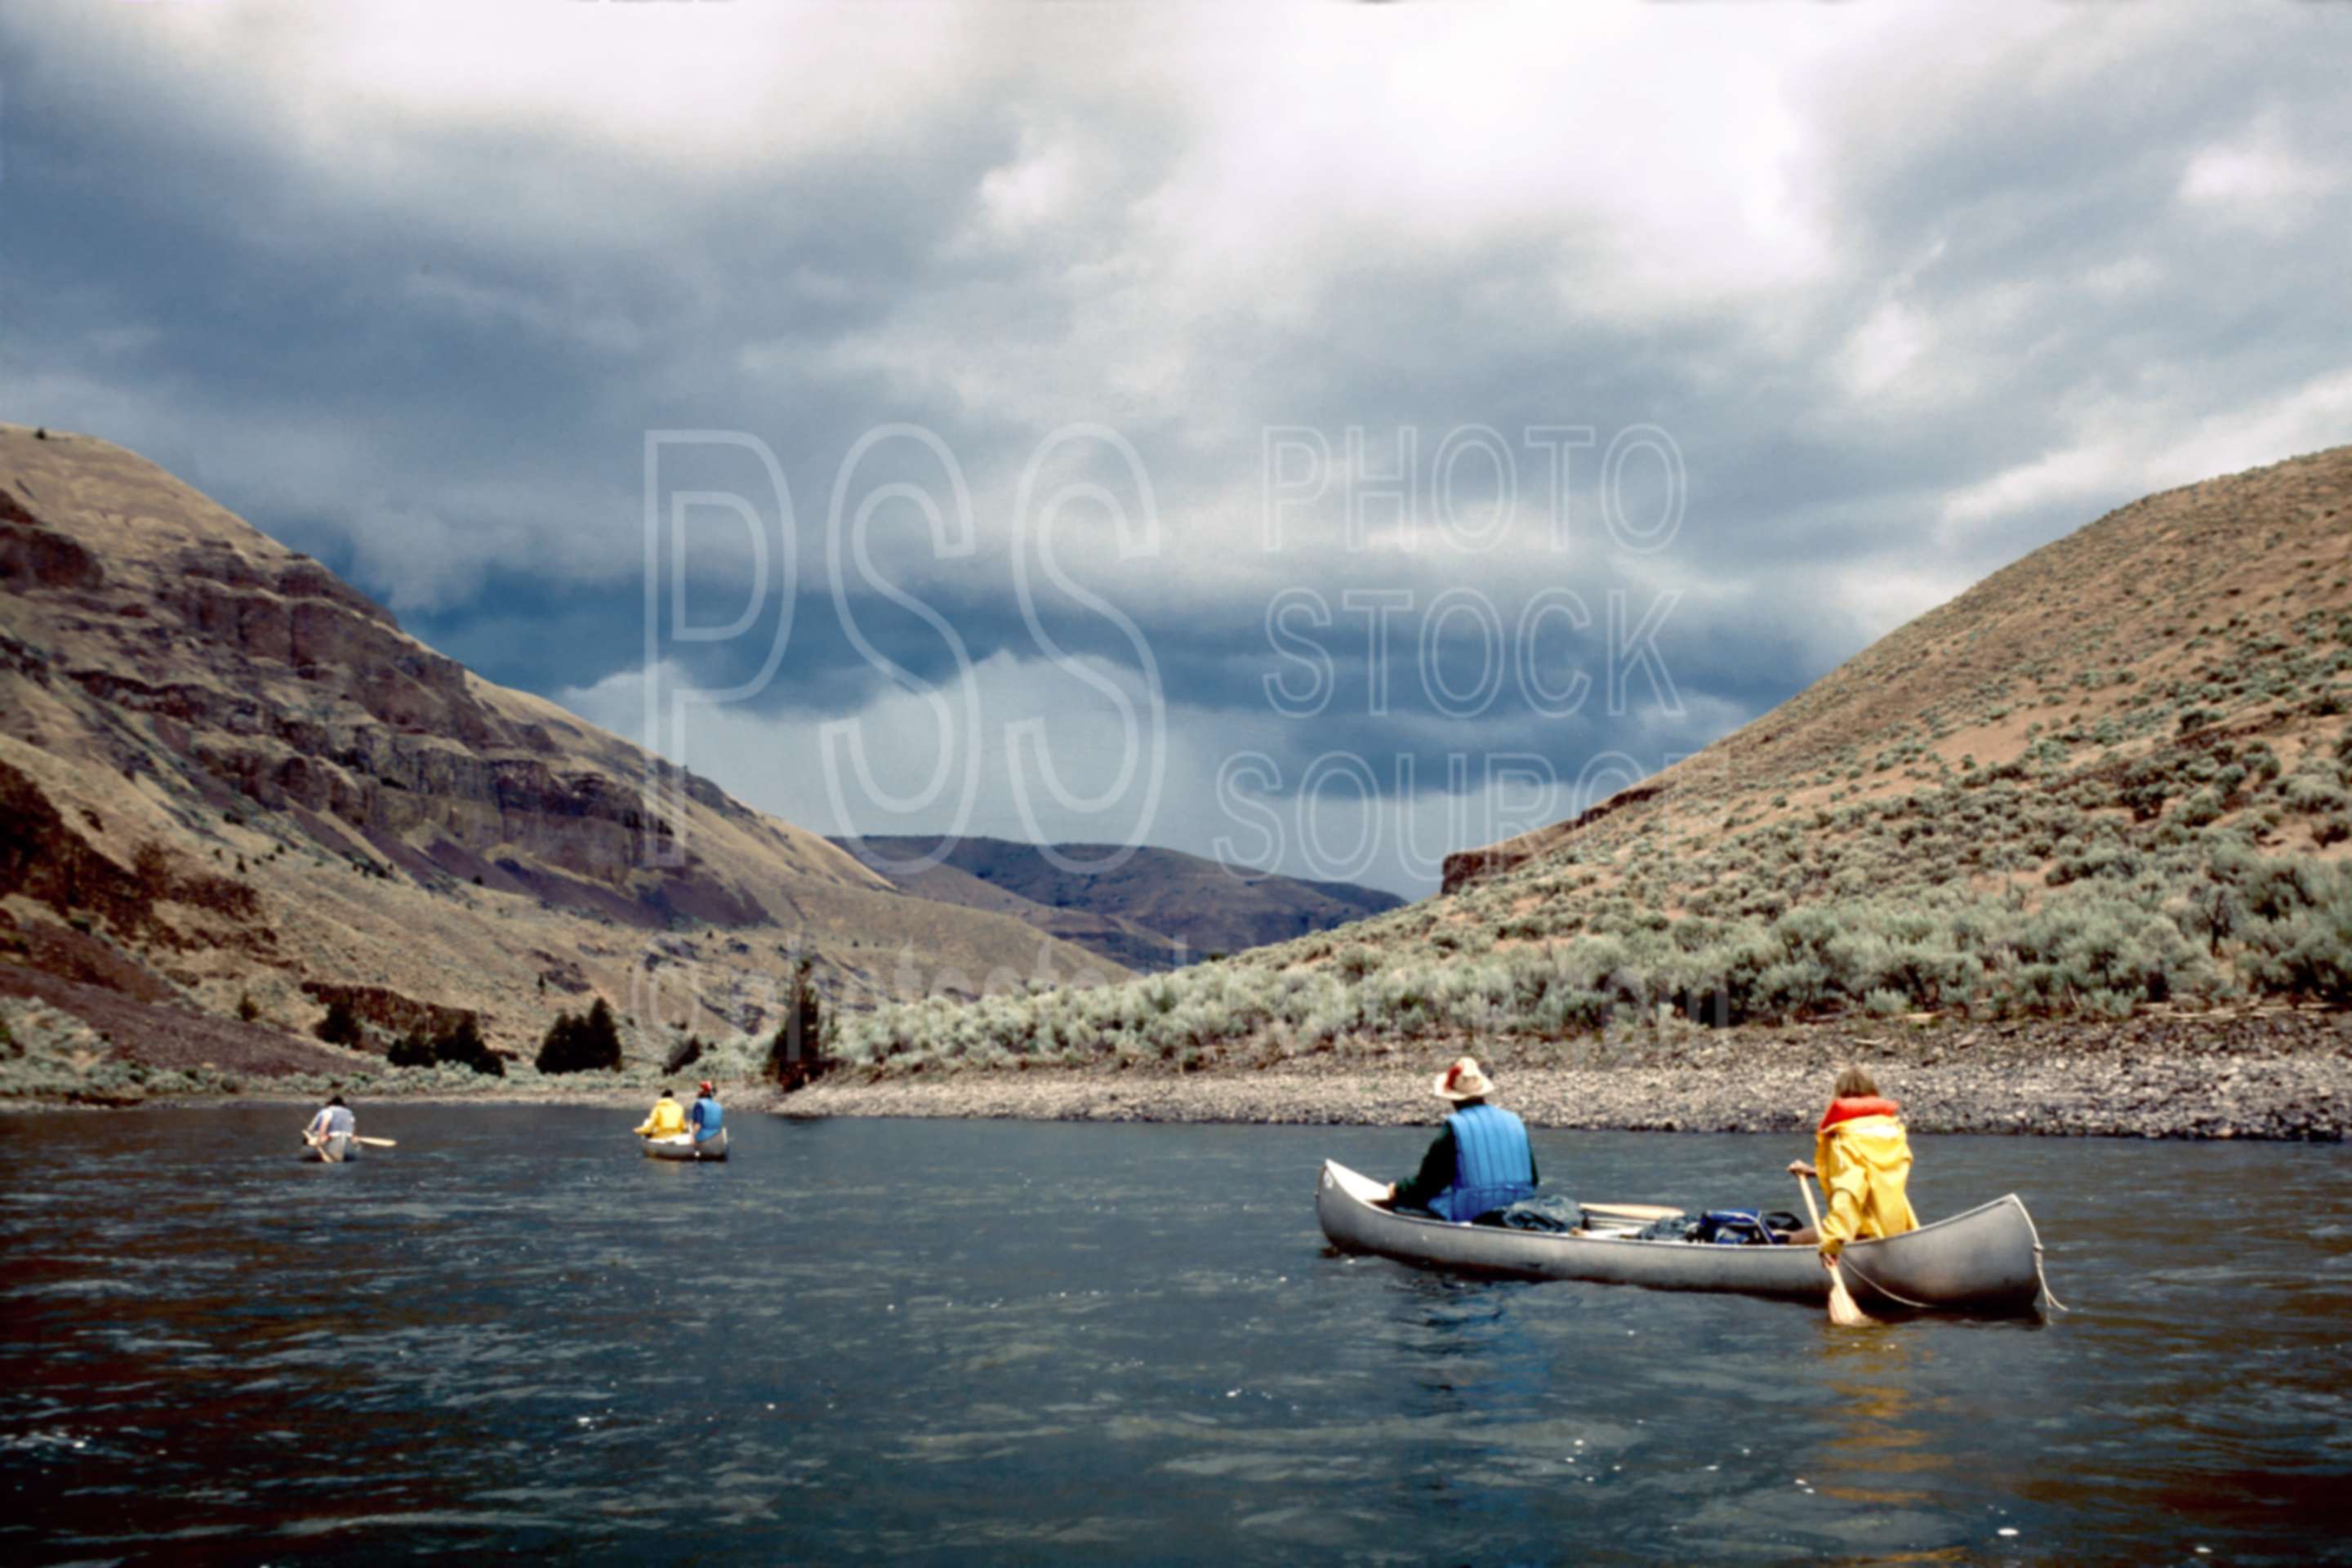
[1871, 598]
[1888, 343]
[2257, 179]
[2120, 453]
[701, 85]
[2069, 474]
[1432, 133]
[1035, 190]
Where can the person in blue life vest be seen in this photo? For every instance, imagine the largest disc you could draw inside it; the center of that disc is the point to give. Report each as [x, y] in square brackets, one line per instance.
[1481, 1161]
[705, 1119]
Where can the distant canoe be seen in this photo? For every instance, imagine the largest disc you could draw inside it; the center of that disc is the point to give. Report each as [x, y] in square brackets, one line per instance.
[682, 1146]
[1986, 1260]
[335, 1149]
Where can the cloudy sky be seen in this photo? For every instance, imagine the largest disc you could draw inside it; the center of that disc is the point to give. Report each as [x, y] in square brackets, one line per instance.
[1324, 433]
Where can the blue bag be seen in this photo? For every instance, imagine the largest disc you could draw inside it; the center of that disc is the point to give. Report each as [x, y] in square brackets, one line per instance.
[1733, 1227]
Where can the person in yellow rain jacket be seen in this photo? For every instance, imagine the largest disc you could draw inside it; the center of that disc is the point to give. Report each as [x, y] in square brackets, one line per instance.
[667, 1119]
[1862, 1157]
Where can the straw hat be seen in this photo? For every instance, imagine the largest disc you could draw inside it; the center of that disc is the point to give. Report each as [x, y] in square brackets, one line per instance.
[1463, 1081]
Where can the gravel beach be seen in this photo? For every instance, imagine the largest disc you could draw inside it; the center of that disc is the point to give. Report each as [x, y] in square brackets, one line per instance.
[2283, 1075]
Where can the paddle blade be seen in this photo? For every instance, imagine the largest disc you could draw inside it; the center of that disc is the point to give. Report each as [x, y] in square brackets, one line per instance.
[1843, 1310]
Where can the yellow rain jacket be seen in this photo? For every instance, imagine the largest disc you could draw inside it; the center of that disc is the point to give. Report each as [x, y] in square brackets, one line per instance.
[667, 1116]
[1865, 1159]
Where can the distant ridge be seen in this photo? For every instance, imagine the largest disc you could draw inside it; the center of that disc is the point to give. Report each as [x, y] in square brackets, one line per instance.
[1162, 909]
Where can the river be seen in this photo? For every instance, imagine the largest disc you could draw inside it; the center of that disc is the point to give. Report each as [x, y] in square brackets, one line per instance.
[1043, 1342]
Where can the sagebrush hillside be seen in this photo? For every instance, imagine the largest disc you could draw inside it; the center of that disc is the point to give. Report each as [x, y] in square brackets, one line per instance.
[235, 794]
[1152, 909]
[2112, 776]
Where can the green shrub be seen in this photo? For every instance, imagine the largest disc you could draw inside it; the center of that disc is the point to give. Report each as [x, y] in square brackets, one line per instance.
[1790, 989]
[411, 1050]
[2308, 952]
[2202, 806]
[341, 1026]
[2145, 787]
[797, 1051]
[590, 1042]
[2314, 795]
[461, 1045]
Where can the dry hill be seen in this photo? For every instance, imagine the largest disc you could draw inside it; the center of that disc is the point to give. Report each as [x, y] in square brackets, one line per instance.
[233, 791]
[2200, 620]
[2110, 778]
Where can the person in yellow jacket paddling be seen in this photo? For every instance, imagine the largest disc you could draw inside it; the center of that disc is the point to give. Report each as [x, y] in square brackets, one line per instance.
[1862, 1158]
[667, 1119]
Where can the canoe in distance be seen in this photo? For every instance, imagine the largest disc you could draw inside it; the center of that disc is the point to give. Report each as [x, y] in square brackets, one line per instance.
[1986, 1260]
[334, 1149]
[682, 1146]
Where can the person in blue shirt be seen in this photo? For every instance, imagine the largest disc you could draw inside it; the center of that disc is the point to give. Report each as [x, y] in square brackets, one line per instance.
[705, 1119]
[1481, 1161]
[333, 1117]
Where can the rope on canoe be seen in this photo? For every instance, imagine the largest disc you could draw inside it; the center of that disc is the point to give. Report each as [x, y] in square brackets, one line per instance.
[1895, 1296]
[2039, 1277]
[2043, 1279]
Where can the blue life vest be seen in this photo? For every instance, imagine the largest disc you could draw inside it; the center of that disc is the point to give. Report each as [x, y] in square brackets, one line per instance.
[705, 1118]
[1492, 1165]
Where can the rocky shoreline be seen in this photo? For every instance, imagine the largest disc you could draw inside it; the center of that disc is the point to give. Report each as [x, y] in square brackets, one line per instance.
[2277, 1073]
[2283, 1075]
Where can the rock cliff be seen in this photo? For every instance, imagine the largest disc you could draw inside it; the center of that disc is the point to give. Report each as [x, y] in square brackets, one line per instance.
[240, 778]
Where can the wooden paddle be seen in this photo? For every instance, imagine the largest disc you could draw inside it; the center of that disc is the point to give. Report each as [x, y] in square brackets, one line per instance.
[376, 1142]
[1645, 1212]
[1843, 1313]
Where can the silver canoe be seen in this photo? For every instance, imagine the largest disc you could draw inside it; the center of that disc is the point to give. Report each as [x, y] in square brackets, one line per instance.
[1986, 1260]
[334, 1149]
[682, 1146]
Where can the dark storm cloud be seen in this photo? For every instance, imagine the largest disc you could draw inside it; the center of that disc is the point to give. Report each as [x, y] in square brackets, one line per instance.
[2016, 275]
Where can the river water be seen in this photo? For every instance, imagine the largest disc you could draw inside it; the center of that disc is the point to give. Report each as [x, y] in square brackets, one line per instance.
[1040, 1342]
